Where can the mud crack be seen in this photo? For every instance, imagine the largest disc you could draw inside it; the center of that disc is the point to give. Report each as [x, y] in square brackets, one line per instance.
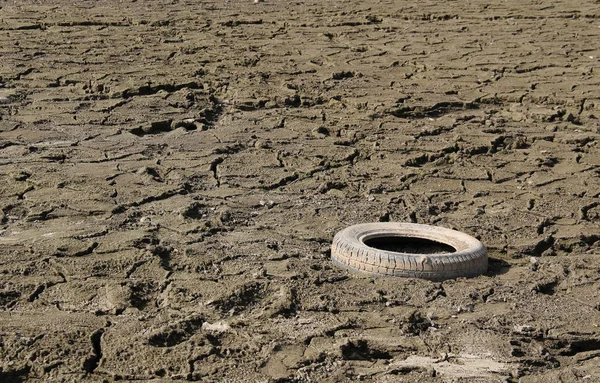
[91, 363]
[214, 168]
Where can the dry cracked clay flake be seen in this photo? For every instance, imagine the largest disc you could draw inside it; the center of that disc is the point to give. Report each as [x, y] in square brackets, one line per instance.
[173, 174]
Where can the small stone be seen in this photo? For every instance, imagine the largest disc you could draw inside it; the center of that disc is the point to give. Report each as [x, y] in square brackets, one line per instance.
[523, 329]
[5, 100]
[216, 327]
[468, 308]
[260, 273]
[268, 203]
[534, 263]
[261, 144]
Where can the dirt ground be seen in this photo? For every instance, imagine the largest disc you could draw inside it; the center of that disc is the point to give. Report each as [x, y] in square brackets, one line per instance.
[173, 173]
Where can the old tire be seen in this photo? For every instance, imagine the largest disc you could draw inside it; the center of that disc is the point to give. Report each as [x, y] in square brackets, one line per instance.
[350, 251]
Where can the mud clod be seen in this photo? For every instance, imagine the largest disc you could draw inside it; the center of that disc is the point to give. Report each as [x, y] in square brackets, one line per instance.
[176, 333]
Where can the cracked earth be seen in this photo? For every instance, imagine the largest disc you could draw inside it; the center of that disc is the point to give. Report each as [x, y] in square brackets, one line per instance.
[173, 173]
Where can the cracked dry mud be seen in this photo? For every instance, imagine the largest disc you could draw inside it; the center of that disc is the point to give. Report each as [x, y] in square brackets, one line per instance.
[173, 172]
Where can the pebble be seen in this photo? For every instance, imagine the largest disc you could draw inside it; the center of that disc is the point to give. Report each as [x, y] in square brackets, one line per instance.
[216, 327]
[5, 100]
[523, 329]
[468, 308]
[262, 144]
[260, 273]
[268, 203]
[534, 260]
[534, 263]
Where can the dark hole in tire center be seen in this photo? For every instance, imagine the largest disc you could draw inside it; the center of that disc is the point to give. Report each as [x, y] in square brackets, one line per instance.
[409, 245]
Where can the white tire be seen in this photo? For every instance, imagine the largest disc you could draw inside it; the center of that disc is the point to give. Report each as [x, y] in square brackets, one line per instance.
[349, 250]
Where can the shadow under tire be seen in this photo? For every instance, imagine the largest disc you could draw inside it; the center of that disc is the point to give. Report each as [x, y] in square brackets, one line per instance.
[467, 256]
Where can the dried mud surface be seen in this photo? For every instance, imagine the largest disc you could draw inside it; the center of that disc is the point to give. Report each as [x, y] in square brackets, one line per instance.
[172, 174]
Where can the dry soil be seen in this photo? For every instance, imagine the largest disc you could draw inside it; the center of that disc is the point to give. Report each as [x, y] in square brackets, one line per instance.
[173, 172]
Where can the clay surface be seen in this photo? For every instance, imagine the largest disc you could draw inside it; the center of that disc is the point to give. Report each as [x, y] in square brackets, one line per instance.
[172, 174]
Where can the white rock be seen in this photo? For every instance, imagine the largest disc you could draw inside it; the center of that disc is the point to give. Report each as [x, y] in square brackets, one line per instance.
[523, 329]
[268, 203]
[533, 260]
[5, 100]
[216, 327]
